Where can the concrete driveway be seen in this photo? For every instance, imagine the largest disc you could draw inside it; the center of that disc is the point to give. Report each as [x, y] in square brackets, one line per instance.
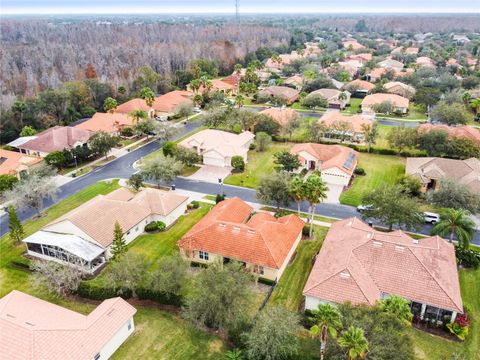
[333, 194]
[210, 173]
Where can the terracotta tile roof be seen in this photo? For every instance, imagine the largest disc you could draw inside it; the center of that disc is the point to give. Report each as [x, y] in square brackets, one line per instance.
[364, 57]
[361, 85]
[283, 91]
[32, 328]
[466, 172]
[331, 117]
[399, 88]
[464, 131]
[223, 142]
[12, 162]
[97, 217]
[354, 43]
[262, 240]
[57, 138]
[358, 264]
[296, 80]
[132, 105]
[391, 64]
[378, 98]
[234, 79]
[281, 116]
[425, 61]
[377, 73]
[108, 122]
[329, 155]
[168, 102]
[329, 94]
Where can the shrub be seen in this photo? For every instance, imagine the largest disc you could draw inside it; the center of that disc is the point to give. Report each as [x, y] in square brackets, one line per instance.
[459, 331]
[238, 163]
[252, 146]
[162, 298]
[303, 172]
[93, 291]
[127, 132]
[195, 204]
[155, 226]
[219, 198]
[281, 213]
[359, 171]
[306, 230]
[467, 258]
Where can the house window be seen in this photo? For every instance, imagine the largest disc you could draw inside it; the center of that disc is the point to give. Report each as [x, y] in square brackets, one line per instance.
[128, 232]
[257, 269]
[136, 229]
[129, 325]
[203, 255]
[97, 356]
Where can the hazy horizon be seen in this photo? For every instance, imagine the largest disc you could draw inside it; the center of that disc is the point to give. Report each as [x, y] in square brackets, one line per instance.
[54, 7]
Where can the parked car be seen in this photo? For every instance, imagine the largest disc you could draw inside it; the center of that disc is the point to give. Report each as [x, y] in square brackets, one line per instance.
[431, 218]
[161, 118]
[197, 110]
[362, 208]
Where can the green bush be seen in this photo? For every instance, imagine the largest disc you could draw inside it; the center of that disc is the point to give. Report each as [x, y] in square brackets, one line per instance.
[303, 172]
[281, 213]
[127, 132]
[219, 198]
[91, 290]
[162, 298]
[238, 163]
[359, 171]
[195, 204]
[467, 258]
[169, 148]
[306, 230]
[155, 226]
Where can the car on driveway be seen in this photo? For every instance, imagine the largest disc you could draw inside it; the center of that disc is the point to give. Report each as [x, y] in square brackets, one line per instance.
[362, 208]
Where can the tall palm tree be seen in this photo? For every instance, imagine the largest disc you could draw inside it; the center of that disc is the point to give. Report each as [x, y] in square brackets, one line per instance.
[315, 193]
[355, 342]
[327, 321]
[297, 190]
[239, 100]
[398, 307]
[475, 105]
[195, 85]
[455, 222]
[137, 115]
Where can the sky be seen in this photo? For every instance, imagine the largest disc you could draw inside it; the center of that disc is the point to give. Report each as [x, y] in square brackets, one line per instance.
[228, 6]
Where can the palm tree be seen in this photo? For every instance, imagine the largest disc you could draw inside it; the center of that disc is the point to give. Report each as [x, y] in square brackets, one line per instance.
[327, 321]
[195, 85]
[137, 115]
[234, 354]
[148, 95]
[398, 307]
[466, 97]
[205, 83]
[239, 100]
[297, 190]
[475, 105]
[355, 341]
[315, 192]
[455, 222]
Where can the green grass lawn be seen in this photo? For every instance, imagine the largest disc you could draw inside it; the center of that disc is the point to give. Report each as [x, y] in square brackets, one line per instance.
[161, 335]
[288, 292]
[380, 169]
[259, 164]
[354, 107]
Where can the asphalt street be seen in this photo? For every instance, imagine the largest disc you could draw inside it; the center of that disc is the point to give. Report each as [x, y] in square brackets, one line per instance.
[123, 168]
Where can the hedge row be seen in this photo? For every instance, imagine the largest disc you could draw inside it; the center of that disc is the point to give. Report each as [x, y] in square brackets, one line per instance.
[94, 291]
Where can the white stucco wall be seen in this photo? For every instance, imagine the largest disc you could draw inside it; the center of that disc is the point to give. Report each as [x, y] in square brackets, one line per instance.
[118, 339]
[311, 303]
[289, 256]
[173, 216]
[215, 159]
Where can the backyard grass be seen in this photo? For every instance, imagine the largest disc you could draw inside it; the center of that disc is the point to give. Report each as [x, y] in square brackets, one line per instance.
[14, 278]
[380, 169]
[288, 292]
[354, 107]
[161, 335]
[259, 164]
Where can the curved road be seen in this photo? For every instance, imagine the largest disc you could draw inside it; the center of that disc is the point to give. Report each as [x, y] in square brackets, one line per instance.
[123, 168]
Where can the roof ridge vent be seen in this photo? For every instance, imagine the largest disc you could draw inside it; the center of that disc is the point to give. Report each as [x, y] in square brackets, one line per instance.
[345, 275]
[416, 241]
[222, 225]
[377, 243]
[251, 231]
[399, 248]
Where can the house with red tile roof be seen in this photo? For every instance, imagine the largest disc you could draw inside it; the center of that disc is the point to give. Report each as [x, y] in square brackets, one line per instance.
[399, 88]
[361, 265]
[218, 147]
[16, 163]
[231, 231]
[290, 95]
[458, 132]
[399, 103]
[111, 123]
[57, 138]
[336, 99]
[363, 58]
[168, 104]
[359, 86]
[133, 105]
[336, 163]
[225, 87]
[424, 61]
[83, 236]
[282, 116]
[33, 329]
[352, 44]
[350, 126]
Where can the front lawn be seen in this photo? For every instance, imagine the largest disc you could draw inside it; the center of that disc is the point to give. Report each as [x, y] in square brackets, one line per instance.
[380, 169]
[259, 164]
[355, 106]
[288, 292]
[161, 335]
[12, 277]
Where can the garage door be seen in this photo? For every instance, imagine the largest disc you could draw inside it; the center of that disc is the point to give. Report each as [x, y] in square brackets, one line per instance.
[213, 161]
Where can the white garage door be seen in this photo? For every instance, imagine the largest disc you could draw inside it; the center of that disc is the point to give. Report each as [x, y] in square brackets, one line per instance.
[213, 161]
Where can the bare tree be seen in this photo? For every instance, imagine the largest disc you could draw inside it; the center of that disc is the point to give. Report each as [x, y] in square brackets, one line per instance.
[56, 278]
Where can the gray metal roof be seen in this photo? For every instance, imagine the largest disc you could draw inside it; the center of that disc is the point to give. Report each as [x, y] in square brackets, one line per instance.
[72, 243]
[21, 140]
